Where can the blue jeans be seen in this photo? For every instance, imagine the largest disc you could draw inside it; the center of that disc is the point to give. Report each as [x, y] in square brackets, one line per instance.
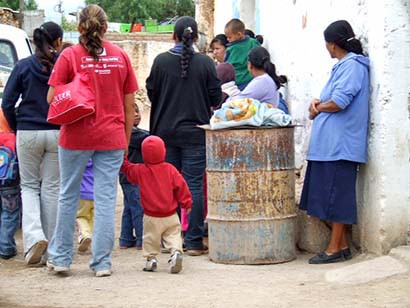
[106, 165]
[9, 218]
[132, 216]
[191, 162]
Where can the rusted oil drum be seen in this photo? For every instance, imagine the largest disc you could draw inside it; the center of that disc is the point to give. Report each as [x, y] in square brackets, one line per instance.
[251, 195]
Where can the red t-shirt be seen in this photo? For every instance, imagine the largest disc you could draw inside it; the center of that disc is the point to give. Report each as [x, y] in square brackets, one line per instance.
[112, 78]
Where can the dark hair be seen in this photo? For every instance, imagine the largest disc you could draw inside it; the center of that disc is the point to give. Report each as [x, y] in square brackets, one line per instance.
[186, 30]
[219, 38]
[259, 57]
[341, 33]
[93, 23]
[259, 38]
[44, 39]
[235, 25]
[66, 45]
[225, 72]
[249, 33]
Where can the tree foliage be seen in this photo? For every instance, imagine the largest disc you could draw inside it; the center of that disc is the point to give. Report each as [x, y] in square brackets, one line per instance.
[68, 25]
[14, 4]
[161, 10]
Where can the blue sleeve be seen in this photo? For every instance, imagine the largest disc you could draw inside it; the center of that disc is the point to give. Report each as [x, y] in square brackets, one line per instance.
[347, 83]
[11, 94]
[227, 53]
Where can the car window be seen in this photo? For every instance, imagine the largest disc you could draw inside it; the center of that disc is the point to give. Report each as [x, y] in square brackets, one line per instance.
[8, 56]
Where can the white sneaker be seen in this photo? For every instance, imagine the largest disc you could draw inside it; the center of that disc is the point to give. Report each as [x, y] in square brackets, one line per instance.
[103, 273]
[56, 268]
[84, 244]
[175, 263]
[151, 265]
[35, 253]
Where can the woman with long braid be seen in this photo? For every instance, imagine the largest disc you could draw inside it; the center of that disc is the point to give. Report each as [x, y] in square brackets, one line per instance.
[36, 140]
[182, 88]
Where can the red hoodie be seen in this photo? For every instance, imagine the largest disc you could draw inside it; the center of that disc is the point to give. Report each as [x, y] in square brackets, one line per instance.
[162, 187]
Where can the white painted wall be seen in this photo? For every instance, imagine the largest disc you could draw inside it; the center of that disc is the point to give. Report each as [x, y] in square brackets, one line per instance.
[293, 32]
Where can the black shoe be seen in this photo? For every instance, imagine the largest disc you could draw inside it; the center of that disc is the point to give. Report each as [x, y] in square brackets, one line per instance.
[346, 253]
[323, 258]
[6, 257]
[197, 251]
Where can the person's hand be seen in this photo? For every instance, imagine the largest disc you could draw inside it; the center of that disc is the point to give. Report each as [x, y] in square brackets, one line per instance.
[188, 211]
[313, 112]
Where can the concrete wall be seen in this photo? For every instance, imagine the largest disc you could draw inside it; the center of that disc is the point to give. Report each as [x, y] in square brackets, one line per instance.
[293, 32]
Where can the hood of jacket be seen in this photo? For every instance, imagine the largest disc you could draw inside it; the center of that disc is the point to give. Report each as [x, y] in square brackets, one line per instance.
[355, 57]
[153, 150]
[37, 69]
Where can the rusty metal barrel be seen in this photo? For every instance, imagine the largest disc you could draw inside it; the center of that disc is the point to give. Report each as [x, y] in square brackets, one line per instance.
[251, 195]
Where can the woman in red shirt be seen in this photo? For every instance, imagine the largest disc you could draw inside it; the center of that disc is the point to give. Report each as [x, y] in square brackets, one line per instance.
[102, 136]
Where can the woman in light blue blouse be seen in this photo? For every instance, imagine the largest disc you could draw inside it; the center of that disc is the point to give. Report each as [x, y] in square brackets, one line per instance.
[338, 142]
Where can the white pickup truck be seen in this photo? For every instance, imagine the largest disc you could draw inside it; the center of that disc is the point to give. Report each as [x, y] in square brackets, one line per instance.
[14, 45]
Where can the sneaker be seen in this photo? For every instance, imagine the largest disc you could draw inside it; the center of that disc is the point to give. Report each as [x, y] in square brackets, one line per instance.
[151, 265]
[9, 256]
[103, 273]
[84, 244]
[175, 263]
[56, 268]
[35, 253]
[197, 251]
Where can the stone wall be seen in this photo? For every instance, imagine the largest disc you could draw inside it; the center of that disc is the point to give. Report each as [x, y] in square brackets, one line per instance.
[293, 32]
[9, 17]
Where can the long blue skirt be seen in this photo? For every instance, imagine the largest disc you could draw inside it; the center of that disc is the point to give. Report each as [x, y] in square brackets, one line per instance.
[329, 191]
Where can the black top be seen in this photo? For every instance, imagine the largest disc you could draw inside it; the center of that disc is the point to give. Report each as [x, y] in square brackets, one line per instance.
[30, 81]
[179, 105]
[134, 150]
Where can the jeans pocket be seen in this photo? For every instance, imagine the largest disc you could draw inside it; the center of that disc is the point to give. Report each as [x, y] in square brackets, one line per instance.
[10, 202]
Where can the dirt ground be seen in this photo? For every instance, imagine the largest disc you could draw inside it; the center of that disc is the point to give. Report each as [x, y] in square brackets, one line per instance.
[201, 283]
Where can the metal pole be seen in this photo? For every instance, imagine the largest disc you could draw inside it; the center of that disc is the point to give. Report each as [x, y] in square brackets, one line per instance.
[22, 7]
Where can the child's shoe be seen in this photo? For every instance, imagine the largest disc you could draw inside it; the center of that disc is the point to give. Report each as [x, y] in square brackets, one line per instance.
[175, 263]
[84, 244]
[151, 265]
[8, 256]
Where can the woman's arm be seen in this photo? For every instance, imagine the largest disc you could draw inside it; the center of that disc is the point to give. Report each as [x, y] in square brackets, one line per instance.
[317, 107]
[129, 112]
[50, 94]
[11, 95]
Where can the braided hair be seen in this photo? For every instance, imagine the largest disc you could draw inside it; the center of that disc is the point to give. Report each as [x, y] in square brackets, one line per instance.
[186, 31]
[259, 57]
[93, 24]
[341, 33]
[44, 39]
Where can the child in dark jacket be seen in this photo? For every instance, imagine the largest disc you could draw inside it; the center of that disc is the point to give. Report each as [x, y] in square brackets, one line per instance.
[131, 221]
[162, 188]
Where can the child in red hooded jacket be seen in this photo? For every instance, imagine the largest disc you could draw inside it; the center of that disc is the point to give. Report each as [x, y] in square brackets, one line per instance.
[162, 189]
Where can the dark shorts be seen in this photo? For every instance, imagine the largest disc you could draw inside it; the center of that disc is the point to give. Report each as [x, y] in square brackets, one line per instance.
[329, 191]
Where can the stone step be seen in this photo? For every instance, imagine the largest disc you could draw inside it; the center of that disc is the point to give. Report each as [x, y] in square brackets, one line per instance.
[366, 271]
